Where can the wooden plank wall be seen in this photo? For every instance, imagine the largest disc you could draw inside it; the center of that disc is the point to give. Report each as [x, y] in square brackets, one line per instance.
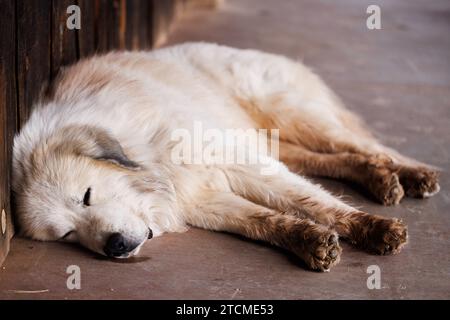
[8, 116]
[35, 43]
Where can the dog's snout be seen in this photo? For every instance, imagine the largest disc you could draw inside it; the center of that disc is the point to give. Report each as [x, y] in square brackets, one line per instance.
[117, 245]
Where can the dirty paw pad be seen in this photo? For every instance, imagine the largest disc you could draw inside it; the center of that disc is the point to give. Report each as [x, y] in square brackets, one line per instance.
[323, 251]
[387, 236]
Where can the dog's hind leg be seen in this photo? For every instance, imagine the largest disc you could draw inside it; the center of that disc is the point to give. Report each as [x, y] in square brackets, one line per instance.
[386, 179]
[292, 194]
[340, 139]
[377, 174]
[336, 138]
[316, 244]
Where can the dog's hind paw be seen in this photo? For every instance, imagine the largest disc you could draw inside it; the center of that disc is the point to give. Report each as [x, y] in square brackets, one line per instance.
[419, 182]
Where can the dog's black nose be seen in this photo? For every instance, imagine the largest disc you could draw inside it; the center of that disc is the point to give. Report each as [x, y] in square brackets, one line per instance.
[150, 233]
[117, 245]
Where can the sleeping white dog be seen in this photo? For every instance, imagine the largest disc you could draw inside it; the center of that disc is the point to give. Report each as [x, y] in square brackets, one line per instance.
[97, 161]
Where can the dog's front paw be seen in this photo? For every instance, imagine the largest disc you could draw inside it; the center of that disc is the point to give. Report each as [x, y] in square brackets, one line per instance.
[386, 236]
[320, 249]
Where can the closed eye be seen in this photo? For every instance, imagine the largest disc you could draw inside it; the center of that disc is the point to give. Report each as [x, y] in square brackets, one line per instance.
[67, 235]
[87, 197]
[70, 236]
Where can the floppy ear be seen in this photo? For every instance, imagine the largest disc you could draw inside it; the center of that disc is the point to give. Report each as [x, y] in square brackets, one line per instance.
[96, 143]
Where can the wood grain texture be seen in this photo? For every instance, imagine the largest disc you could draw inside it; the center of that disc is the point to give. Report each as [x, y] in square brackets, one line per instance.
[108, 24]
[87, 34]
[138, 22]
[63, 40]
[8, 105]
[33, 52]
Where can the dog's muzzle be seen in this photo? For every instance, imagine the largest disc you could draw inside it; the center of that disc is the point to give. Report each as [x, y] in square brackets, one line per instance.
[119, 246]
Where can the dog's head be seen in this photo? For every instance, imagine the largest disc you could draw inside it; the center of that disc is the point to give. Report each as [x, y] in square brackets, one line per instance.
[78, 185]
